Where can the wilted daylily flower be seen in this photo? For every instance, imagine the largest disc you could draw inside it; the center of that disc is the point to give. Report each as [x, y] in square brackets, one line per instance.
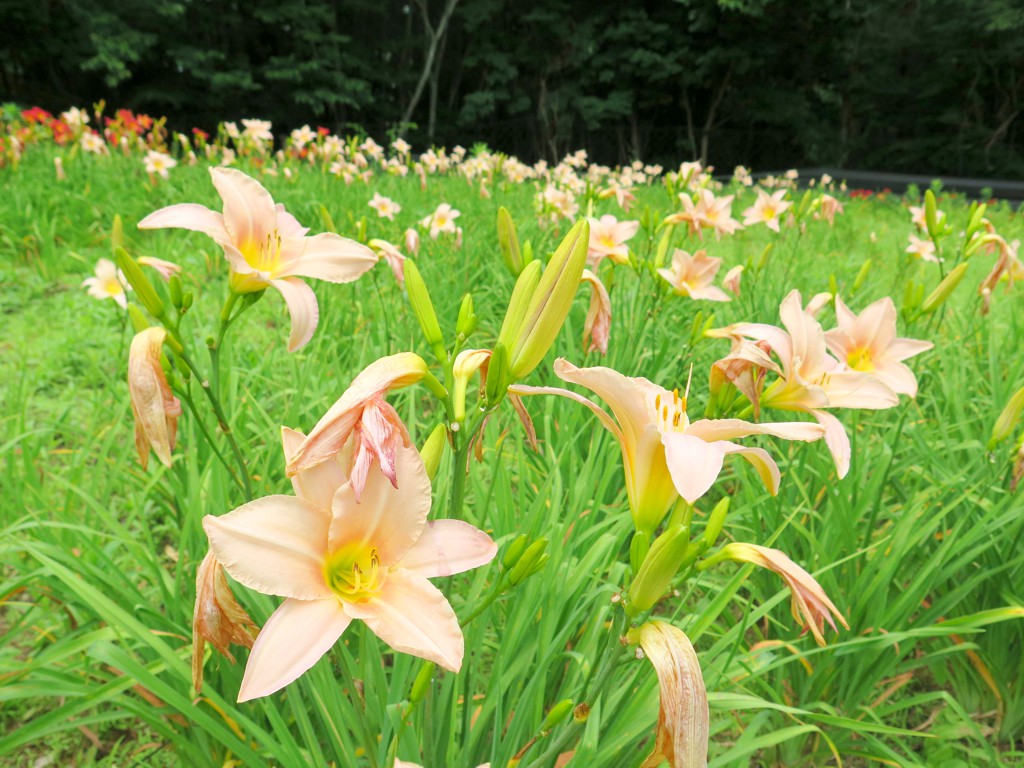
[364, 416]
[692, 276]
[683, 718]
[664, 455]
[732, 278]
[608, 237]
[218, 618]
[597, 327]
[828, 207]
[108, 283]
[867, 342]
[266, 247]
[811, 606]
[767, 209]
[392, 256]
[336, 560]
[155, 407]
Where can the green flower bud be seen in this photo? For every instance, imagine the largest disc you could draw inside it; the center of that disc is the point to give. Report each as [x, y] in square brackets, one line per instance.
[467, 321]
[716, 520]
[327, 221]
[497, 375]
[508, 241]
[1008, 419]
[532, 560]
[659, 567]
[421, 684]
[137, 279]
[931, 214]
[515, 551]
[433, 450]
[862, 275]
[943, 290]
[524, 289]
[423, 308]
[174, 289]
[139, 321]
[557, 714]
[638, 547]
[117, 233]
[528, 256]
[663, 245]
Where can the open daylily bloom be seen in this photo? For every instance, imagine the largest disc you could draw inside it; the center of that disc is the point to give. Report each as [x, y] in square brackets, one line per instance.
[867, 342]
[217, 619]
[364, 416]
[922, 249]
[683, 717]
[441, 220]
[159, 163]
[335, 560]
[154, 406]
[385, 207]
[663, 454]
[623, 196]
[709, 212]
[811, 606]
[267, 248]
[598, 325]
[608, 238]
[811, 379]
[108, 283]
[692, 276]
[767, 209]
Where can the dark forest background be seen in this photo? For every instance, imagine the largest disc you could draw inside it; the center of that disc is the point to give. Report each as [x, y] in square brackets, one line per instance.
[927, 86]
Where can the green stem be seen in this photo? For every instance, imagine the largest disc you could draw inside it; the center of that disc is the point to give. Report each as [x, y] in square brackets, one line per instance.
[187, 397]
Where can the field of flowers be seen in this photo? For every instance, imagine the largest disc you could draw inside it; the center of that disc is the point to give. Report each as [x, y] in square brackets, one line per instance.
[323, 452]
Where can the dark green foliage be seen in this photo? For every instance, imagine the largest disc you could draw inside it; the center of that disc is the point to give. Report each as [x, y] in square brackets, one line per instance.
[929, 86]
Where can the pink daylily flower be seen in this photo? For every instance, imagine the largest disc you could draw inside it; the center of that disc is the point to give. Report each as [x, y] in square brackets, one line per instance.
[922, 249]
[267, 248]
[392, 256]
[165, 268]
[385, 207]
[598, 325]
[363, 416]
[767, 209]
[336, 560]
[732, 279]
[441, 220]
[608, 238]
[867, 342]
[664, 455]
[709, 212]
[692, 276]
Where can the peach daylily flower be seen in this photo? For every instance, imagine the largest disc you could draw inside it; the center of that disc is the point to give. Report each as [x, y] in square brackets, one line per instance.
[598, 325]
[732, 279]
[385, 207]
[683, 715]
[867, 342]
[165, 268]
[828, 208]
[767, 209]
[664, 455]
[922, 249]
[692, 275]
[811, 379]
[392, 256]
[412, 241]
[364, 416]
[108, 283]
[441, 220]
[608, 238]
[811, 607]
[159, 163]
[154, 406]
[336, 560]
[709, 212]
[267, 248]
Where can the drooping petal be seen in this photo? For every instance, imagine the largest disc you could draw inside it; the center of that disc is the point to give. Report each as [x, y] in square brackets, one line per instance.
[709, 293]
[626, 396]
[760, 461]
[836, 439]
[276, 545]
[606, 420]
[448, 546]
[412, 616]
[386, 518]
[303, 309]
[597, 327]
[727, 429]
[193, 216]
[250, 215]
[901, 349]
[294, 638]
[684, 718]
[693, 463]
[155, 408]
[319, 483]
[852, 389]
[331, 432]
[327, 257]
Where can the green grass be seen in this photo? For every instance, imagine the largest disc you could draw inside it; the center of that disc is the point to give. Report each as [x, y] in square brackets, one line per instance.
[920, 546]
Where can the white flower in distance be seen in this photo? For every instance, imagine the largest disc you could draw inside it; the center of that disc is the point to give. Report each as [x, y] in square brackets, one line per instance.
[158, 162]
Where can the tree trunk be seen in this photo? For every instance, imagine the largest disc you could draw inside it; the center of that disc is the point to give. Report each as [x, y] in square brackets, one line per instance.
[434, 38]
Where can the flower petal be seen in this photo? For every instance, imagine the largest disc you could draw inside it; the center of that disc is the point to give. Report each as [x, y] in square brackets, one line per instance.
[303, 309]
[727, 429]
[412, 616]
[852, 389]
[294, 638]
[326, 257]
[249, 211]
[836, 439]
[318, 484]
[626, 396]
[448, 546]
[693, 463]
[276, 545]
[387, 518]
[193, 216]
[761, 461]
[606, 420]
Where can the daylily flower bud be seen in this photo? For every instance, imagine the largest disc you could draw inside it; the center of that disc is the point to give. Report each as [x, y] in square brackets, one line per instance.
[326, 220]
[137, 279]
[174, 289]
[508, 241]
[217, 619]
[862, 275]
[433, 450]
[155, 408]
[931, 215]
[659, 568]
[556, 715]
[526, 284]
[515, 551]
[716, 520]
[976, 217]
[497, 375]
[467, 321]
[639, 545]
[117, 233]
[684, 718]
[533, 559]
[527, 254]
[663, 245]
[421, 684]
[423, 308]
[412, 241]
[550, 302]
[943, 290]
[1008, 419]
[468, 362]
[139, 321]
